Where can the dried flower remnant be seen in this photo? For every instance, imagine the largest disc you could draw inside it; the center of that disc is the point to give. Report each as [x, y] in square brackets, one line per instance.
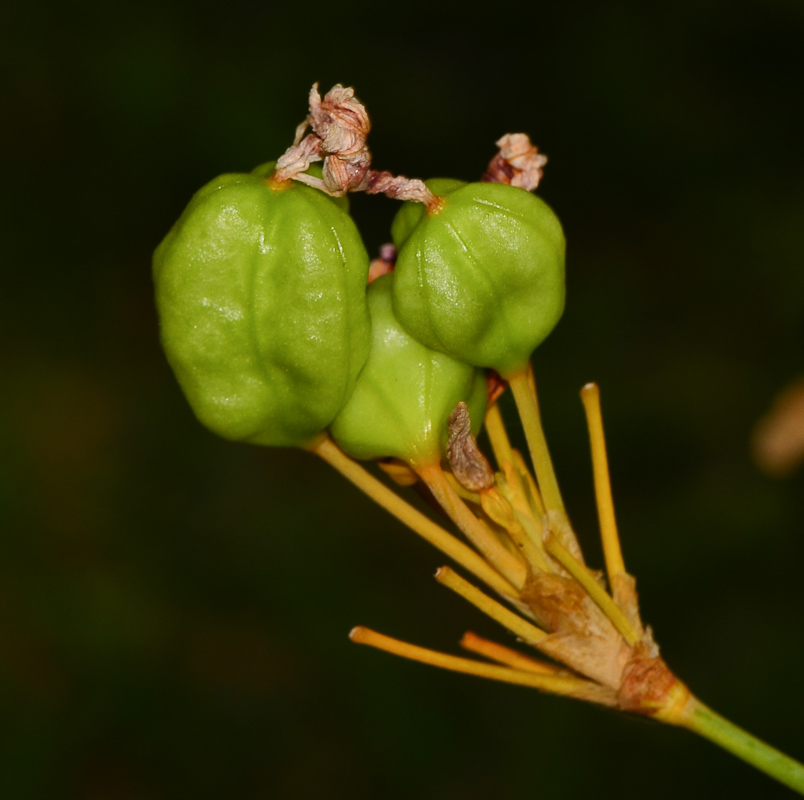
[340, 126]
[518, 163]
[398, 187]
[384, 263]
[469, 465]
[340, 120]
[296, 160]
[520, 542]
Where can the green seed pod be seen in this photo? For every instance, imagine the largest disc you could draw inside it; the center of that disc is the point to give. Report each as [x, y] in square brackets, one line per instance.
[404, 395]
[410, 214]
[482, 279]
[260, 290]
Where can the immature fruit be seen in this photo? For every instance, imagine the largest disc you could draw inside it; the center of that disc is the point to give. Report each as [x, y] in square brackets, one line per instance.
[405, 393]
[482, 279]
[261, 296]
[410, 214]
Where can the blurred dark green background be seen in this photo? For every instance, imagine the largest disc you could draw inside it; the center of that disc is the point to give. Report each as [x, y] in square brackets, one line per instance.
[174, 608]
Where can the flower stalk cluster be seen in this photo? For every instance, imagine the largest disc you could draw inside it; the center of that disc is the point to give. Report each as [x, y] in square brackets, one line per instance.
[282, 333]
[548, 597]
[597, 648]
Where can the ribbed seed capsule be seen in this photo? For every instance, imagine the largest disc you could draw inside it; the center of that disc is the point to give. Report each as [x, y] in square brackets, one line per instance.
[260, 290]
[405, 393]
[482, 278]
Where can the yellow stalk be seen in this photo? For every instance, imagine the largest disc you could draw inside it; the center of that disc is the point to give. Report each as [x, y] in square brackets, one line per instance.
[505, 655]
[495, 428]
[522, 492]
[567, 685]
[478, 533]
[524, 390]
[587, 580]
[499, 509]
[518, 626]
[590, 395]
[415, 520]
[462, 491]
[534, 495]
[511, 487]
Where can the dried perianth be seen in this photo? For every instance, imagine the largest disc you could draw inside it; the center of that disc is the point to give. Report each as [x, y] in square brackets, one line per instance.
[518, 163]
[297, 158]
[398, 187]
[340, 120]
[340, 125]
[469, 465]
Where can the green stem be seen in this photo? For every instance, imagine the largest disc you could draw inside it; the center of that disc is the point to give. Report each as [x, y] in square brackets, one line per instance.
[712, 726]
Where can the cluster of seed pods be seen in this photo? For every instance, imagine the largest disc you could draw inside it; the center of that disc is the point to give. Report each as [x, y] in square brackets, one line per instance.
[282, 333]
[276, 335]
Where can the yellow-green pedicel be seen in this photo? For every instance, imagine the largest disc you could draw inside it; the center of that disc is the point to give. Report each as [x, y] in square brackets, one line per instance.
[405, 393]
[261, 293]
[482, 278]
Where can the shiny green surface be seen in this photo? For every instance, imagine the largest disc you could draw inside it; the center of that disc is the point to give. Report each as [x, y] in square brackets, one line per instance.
[261, 298]
[410, 214]
[405, 392]
[483, 280]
